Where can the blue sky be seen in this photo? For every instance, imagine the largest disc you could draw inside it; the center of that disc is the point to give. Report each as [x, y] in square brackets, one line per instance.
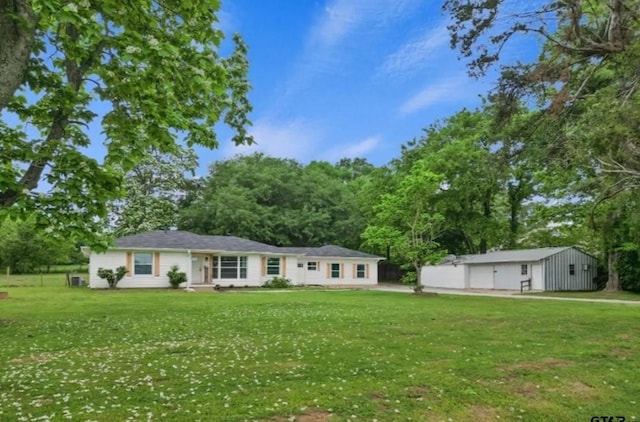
[344, 78]
[348, 78]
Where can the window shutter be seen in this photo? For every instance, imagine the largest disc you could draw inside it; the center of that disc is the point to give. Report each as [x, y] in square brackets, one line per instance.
[128, 264]
[264, 266]
[354, 269]
[366, 271]
[284, 266]
[341, 270]
[328, 270]
[156, 264]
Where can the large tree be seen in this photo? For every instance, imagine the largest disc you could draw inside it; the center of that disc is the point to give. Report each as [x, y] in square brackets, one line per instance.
[408, 222]
[153, 193]
[276, 201]
[154, 70]
[585, 83]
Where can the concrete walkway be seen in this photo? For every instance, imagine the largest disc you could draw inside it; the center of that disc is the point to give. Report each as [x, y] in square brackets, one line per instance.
[504, 294]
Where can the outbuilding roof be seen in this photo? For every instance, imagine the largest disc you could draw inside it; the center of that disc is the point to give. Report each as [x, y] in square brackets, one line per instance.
[522, 255]
[177, 239]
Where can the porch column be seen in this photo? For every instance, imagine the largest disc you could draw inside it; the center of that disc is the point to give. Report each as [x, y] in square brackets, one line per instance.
[210, 275]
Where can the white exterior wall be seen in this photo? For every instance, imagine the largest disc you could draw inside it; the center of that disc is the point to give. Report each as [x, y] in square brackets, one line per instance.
[116, 258]
[193, 266]
[481, 276]
[445, 276]
[349, 276]
[537, 282]
[289, 272]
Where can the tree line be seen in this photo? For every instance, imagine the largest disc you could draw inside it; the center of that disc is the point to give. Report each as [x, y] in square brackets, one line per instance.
[550, 158]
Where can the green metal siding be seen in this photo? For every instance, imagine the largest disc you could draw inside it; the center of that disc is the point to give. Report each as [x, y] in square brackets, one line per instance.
[556, 269]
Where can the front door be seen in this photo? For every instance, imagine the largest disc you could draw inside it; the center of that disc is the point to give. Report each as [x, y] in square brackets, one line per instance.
[196, 270]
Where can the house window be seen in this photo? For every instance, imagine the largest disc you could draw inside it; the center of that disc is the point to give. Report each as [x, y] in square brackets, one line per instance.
[143, 264]
[572, 269]
[312, 266]
[524, 269]
[335, 270]
[361, 271]
[243, 267]
[229, 267]
[300, 264]
[273, 266]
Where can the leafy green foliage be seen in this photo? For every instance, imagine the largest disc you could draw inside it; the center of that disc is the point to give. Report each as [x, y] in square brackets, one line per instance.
[26, 248]
[153, 191]
[277, 201]
[584, 128]
[157, 69]
[407, 222]
[176, 277]
[277, 283]
[112, 277]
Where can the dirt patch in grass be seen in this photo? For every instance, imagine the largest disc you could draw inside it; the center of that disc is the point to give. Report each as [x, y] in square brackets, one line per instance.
[527, 389]
[621, 353]
[44, 357]
[577, 390]
[418, 391]
[535, 365]
[310, 416]
[481, 413]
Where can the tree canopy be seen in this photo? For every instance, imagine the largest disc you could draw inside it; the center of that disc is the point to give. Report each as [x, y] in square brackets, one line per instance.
[154, 68]
[277, 201]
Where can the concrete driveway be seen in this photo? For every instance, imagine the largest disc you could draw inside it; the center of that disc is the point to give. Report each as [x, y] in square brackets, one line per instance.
[508, 294]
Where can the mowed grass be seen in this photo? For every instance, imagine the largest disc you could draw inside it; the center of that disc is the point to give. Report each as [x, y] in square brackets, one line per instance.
[37, 280]
[622, 295]
[313, 356]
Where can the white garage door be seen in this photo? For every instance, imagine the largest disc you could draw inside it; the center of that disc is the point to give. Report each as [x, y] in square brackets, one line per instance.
[507, 276]
[481, 276]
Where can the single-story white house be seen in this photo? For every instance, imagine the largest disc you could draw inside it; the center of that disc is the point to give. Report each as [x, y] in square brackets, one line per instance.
[546, 269]
[228, 260]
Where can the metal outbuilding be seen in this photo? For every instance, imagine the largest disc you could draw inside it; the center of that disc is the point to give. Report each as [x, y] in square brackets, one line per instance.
[550, 269]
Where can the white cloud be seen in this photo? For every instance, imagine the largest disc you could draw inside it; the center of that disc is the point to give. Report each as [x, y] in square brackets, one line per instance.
[415, 54]
[356, 150]
[341, 17]
[296, 139]
[445, 91]
[342, 20]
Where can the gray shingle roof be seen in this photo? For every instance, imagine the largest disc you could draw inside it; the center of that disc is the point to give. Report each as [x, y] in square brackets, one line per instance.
[522, 255]
[175, 239]
[330, 251]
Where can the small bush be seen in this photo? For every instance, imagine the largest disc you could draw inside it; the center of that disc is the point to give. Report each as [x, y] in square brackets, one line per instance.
[277, 283]
[176, 277]
[112, 277]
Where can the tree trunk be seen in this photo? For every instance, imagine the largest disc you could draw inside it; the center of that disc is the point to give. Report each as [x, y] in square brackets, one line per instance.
[613, 282]
[17, 32]
[419, 287]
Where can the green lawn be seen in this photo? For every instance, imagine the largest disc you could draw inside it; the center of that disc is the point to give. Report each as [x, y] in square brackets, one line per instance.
[357, 355]
[591, 295]
[36, 280]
